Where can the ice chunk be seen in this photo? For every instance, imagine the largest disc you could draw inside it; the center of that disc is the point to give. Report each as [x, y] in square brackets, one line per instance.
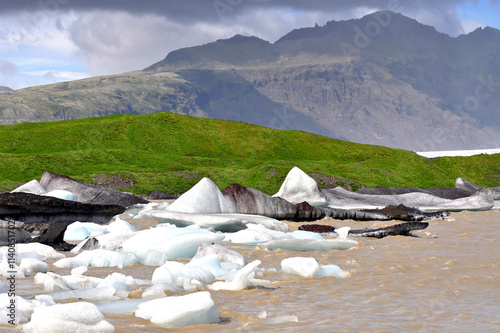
[71, 317]
[54, 282]
[34, 250]
[88, 294]
[299, 187]
[255, 234]
[309, 267]
[301, 234]
[99, 258]
[210, 263]
[81, 230]
[80, 270]
[178, 311]
[32, 186]
[158, 290]
[308, 244]
[60, 194]
[205, 197]
[120, 226]
[125, 307]
[174, 242]
[177, 273]
[225, 255]
[241, 279]
[221, 222]
[119, 282]
[30, 266]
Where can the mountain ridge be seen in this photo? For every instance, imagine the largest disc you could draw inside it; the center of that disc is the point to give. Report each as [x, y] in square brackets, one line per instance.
[384, 79]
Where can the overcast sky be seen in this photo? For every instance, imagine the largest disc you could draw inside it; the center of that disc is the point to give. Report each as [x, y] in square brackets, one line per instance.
[47, 41]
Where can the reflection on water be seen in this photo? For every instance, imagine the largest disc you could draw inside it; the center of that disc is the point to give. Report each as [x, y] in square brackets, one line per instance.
[445, 280]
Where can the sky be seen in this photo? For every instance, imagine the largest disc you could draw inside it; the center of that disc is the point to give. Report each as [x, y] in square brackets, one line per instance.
[48, 41]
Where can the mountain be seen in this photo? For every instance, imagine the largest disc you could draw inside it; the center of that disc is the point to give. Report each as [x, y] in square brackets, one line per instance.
[4, 88]
[383, 79]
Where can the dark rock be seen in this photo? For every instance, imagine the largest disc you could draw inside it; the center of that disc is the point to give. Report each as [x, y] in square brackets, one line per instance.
[88, 193]
[251, 201]
[12, 230]
[318, 228]
[159, 195]
[29, 208]
[52, 234]
[445, 193]
[402, 229]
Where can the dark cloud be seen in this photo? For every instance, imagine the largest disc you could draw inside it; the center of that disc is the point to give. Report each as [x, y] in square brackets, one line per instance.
[209, 10]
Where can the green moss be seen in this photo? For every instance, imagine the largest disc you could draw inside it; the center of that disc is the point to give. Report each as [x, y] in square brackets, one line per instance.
[170, 152]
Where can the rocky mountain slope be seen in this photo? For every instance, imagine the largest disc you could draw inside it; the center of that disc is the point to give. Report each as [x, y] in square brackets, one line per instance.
[383, 79]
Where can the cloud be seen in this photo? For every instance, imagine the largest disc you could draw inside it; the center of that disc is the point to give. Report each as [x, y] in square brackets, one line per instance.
[7, 68]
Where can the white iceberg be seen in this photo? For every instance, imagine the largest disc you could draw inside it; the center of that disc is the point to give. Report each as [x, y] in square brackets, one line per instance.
[299, 187]
[309, 267]
[99, 258]
[240, 281]
[205, 198]
[178, 311]
[71, 317]
[175, 242]
[176, 273]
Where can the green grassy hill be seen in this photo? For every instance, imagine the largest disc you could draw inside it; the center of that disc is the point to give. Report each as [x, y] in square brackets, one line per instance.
[171, 152]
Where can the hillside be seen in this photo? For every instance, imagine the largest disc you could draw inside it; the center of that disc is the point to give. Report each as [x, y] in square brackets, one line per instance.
[402, 85]
[170, 152]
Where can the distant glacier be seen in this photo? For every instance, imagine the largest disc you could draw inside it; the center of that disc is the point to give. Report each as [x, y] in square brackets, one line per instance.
[432, 154]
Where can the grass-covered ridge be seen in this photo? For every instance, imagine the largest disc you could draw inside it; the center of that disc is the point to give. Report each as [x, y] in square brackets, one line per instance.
[170, 152]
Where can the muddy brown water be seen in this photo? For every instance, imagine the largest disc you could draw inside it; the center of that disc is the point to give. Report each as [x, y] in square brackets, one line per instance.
[447, 279]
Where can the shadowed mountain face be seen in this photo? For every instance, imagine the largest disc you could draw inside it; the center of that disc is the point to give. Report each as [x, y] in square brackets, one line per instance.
[383, 79]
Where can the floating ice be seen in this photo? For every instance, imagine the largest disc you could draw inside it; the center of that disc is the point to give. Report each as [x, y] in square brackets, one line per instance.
[204, 198]
[99, 258]
[241, 279]
[264, 319]
[174, 242]
[309, 267]
[177, 311]
[177, 273]
[143, 210]
[33, 250]
[88, 294]
[158, 290]
[30, 266]
[309, 244]
[125, 307]
[301, 234]
[81, 230]
[226, 256]
[22, 310]
[54, 282]
[210, 263]
[228, 222]
[71, 317]
[255, 234]
[299, 187]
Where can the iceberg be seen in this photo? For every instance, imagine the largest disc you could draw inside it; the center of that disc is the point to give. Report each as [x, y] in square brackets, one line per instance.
[176, 273]
[227, 222]
[71, 317]
[309, 267]
[203, 198]
[240, 281]
[299, 187]
[175, 242]
[178, 311]
[99, 258]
